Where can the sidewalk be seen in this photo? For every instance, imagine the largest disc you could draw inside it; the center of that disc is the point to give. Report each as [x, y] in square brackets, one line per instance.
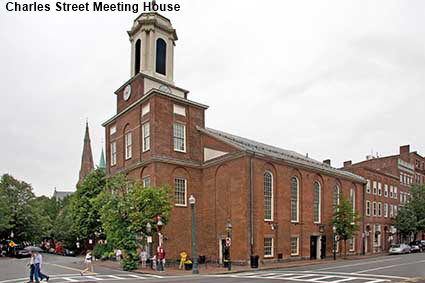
[212, 268]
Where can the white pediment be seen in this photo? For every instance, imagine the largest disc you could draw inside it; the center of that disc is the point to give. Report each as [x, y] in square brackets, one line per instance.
[212, 153]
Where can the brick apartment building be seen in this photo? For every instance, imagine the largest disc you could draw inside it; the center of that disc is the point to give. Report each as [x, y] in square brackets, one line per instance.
[388, 181]
[279, 203]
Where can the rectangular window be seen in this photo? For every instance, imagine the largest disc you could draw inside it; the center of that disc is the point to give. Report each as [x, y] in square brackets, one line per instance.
[268, 196]
[395, 192]
[374, 209]
[368, 187]
[146, 137]
[112, 130]
[391, 211]
[316, 202]
[128, 148]
[367, 208]
[391, 191]
[385, 190]
[395, 211]
[146, 182]
[179, 133]
[180, 191]
[268, 247]
[180, 110]
[385, 210]
[380, 189]
[379, 209]
[113, 153]
[351, 243]
[375, 188]
[146, 109]
[295, 245]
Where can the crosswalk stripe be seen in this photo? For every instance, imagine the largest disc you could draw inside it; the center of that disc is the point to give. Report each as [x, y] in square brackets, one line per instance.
[94, 278]
[136, 276]
[116, 277]
[69, 279]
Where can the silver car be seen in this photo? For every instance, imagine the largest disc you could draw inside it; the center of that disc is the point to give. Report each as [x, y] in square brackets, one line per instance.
[399, 249]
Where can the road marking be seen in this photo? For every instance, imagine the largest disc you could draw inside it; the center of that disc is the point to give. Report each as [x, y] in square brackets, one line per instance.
[64, 267]
[94, 278]
[357, 264]
[70, 279]
[351, 273]
[389, 266]
[116, 277]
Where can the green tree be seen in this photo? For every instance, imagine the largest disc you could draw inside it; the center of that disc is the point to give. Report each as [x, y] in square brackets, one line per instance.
[24, 218]
[417, 205]
[63, 226]
[5, 215]
[345, 220]
[125, 209]
[406, 221]
[85, 218]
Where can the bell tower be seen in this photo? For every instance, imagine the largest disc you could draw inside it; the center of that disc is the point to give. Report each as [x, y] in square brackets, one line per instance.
[152, 40]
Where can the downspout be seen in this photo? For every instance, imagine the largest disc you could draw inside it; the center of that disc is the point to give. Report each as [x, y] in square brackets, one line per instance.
[251, 206]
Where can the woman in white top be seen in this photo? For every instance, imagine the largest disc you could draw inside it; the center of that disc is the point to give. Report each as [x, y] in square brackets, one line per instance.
[88, 260]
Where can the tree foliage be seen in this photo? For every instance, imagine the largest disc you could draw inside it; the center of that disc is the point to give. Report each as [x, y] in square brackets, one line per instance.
[125, 208]
[406, 220]
[345, 220]
[85, 218]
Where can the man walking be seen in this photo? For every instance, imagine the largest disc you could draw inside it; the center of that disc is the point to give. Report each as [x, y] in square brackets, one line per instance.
[38, 260]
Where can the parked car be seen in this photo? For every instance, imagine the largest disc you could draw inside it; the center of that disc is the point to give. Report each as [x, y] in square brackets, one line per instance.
[415, 248]
[421, 244]
[20, 252]
[68, 253]
[399, 249]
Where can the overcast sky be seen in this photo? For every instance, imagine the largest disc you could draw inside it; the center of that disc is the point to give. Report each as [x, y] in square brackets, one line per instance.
[334, 79]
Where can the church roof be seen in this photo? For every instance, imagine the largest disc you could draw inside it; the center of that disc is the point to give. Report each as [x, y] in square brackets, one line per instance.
[279, 153]
[87, 164]
[61, 194]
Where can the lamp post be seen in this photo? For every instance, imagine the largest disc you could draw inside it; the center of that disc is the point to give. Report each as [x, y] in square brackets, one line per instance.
[149, 240]
[159, 224]
[334, 236]
[228, 244]
[192, 202]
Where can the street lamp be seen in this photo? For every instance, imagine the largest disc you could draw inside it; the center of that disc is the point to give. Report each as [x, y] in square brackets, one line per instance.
[334, 236]
[160, 265]
[228, 244]
[149, 240]
[192, 202]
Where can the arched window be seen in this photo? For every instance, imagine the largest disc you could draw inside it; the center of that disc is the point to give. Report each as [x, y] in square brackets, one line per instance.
[161, 56]
[353, 202]
[316, 202]
[268, 196]
[294, 199]
[336, 197]
[137, 57]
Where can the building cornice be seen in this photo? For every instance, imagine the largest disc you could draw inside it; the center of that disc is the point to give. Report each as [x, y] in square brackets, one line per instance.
[150, 93]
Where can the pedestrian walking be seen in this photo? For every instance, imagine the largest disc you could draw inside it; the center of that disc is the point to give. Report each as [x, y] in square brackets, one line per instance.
[161, 258]
[31, 265]
[143, 257]
[38, 261]
[88, 260]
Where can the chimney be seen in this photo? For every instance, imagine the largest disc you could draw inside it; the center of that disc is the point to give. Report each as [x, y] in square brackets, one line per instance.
[327, 161]
[347, 163]
[404, 152]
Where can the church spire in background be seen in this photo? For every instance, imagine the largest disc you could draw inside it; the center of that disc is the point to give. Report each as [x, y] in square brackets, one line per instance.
[102, 163]
[87, 157]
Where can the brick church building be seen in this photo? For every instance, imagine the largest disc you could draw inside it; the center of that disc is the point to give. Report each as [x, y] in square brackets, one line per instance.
[278, 202]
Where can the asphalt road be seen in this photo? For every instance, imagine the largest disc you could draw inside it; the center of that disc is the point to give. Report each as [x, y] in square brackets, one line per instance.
[372, 270]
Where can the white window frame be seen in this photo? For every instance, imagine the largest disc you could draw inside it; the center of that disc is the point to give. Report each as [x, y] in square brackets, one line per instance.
[395, 193]
[185, 191]
[271, 248]
[374, 208]
[128, 141]
[353, 202]
[395, 211]
[113, 153]
[368, 208]
[379, 209]
[368, 186]
[146, 179]
[379, 189]
[184, 137]
[375, 188]
[319, 202]
[391, 191]
[272, 197]
[146, 139]
[385, 210]
[391, 211]
[112, 130]
[146, 109]
[352, 244]
[386, 190]
[298, 201]
[298, 245]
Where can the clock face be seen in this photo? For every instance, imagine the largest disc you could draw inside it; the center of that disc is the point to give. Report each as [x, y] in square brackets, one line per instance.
[127, 92]
[164, 88]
